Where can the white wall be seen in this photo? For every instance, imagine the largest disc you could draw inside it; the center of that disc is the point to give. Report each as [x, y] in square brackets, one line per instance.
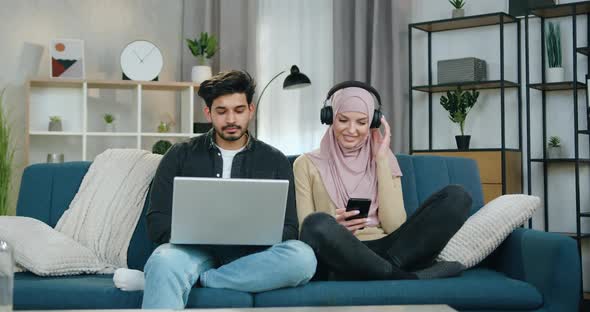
[106, 26]
[483, 122]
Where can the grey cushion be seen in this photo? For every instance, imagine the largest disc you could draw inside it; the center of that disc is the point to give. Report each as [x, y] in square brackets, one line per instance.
[484, 231]
[55, 254]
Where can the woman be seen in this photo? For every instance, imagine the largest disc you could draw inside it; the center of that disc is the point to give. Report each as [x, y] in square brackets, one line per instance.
[355, 161]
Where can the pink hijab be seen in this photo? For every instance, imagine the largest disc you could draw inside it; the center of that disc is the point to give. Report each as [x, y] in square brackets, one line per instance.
[351, 173]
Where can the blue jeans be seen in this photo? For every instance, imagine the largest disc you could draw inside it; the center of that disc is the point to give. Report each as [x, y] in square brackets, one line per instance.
[172, 270]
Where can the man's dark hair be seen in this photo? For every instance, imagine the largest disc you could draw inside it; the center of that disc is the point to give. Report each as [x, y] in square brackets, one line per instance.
[224, 83]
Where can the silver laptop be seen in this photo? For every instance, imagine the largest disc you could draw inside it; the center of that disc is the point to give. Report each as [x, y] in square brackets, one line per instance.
[228, 211]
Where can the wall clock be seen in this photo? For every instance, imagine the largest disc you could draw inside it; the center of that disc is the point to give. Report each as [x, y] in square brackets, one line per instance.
[141, 60]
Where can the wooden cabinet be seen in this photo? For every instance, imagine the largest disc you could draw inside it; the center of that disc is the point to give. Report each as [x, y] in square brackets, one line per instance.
[490, 170]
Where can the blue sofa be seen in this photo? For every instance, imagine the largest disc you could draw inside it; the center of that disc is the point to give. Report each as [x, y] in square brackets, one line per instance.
[530, 271]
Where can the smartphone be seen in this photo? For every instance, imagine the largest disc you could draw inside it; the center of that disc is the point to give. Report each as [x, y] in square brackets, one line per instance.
[360, 204]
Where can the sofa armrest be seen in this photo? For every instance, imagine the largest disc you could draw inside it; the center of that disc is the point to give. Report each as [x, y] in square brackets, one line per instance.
[548, 261]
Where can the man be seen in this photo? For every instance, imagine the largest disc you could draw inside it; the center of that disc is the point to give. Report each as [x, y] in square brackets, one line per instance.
[226, 151]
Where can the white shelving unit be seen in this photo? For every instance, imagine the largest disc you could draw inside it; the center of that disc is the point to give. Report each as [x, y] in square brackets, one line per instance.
[82, 103]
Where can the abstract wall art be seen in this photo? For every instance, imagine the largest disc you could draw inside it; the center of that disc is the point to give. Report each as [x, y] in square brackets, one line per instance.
[66, 58]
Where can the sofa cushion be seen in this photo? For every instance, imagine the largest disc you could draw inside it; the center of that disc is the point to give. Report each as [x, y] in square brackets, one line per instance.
[57, 254]
[474, 289]
[32, 292]
[42, 198]
[484, 231]
[218, 298]
[425, 175]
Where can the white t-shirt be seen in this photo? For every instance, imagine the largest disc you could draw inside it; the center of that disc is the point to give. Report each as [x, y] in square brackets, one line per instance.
[228, 158]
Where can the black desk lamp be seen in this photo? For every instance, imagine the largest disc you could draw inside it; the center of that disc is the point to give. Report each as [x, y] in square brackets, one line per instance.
[294, 80]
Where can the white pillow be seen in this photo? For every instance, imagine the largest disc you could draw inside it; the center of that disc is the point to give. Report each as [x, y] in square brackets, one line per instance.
[484, 231]
[55, 254]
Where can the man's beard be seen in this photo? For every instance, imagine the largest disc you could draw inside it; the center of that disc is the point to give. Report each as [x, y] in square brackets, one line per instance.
[232, 137]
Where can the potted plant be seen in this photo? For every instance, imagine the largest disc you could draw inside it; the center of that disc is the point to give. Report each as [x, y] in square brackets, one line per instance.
[555, 72]
[459, 103]
[109, 120]
[6, 158]
[554, 147]
[55, 123]
[458, 10]
[202, 48]
[161, 147]
[166, 126]
[163, 127]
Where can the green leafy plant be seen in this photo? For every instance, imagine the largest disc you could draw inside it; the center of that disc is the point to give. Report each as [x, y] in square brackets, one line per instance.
[109, 118]
[458, 4]
[204, 47]
[459, 103]
[554, 141]
[553, 41]
[163, 127]
[6, 158]
[161, 147]
[54, 118]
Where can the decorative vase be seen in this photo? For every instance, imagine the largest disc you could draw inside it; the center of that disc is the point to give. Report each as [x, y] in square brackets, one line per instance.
[554, 74]
[200, 73]
[109, 127]
[554, 152]
[55, 158]
[458, 13]
[462, 142]
[55, 126]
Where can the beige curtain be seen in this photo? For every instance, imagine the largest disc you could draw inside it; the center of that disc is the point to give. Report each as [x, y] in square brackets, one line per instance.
[370, 45]
[234, 24]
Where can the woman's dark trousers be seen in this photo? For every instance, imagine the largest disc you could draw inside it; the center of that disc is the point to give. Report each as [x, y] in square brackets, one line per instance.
[411, 247]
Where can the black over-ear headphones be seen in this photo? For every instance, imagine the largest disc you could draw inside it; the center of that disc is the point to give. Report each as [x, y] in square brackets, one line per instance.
[327, 115]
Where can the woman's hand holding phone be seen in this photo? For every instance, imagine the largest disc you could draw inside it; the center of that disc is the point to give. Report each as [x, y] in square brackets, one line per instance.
[353, 224]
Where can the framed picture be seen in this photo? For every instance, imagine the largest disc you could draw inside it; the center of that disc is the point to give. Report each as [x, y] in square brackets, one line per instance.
[66, 57]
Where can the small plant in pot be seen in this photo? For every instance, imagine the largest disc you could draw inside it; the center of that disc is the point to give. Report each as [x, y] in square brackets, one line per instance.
[202, 48]
[554, 147]
[458, 10]
[163, 127]
[161, 147]
[109, 120]
[459, 103]
[166, 126]
[55, 123]
[555, 71]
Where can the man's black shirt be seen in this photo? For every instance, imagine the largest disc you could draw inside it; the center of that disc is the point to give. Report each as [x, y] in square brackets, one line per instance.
[200, 157]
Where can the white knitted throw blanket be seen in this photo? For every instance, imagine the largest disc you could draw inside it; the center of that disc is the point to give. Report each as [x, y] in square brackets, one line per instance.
[105, 211]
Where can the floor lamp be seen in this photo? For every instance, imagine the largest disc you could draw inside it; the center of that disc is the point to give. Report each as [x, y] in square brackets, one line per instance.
[294, 80]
